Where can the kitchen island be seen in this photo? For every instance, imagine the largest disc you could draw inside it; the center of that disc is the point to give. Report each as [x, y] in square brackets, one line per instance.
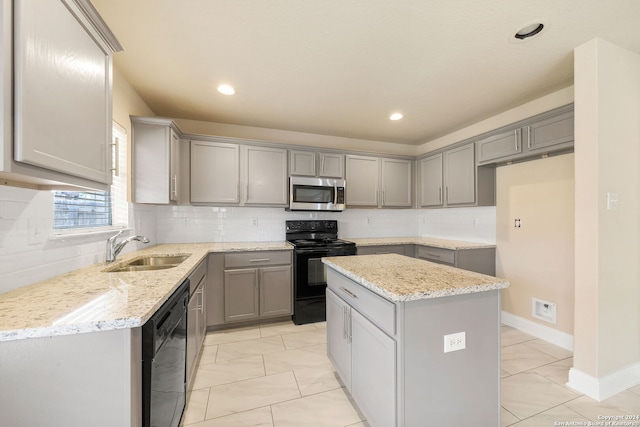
[415, 343]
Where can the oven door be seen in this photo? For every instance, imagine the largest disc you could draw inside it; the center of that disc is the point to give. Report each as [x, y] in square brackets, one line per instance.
[311, 273]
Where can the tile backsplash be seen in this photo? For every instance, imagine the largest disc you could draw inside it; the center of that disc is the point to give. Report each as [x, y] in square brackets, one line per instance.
[30, 252]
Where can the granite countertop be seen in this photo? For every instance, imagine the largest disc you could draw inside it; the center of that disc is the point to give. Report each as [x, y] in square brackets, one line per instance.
[426, 241]
[90, 300]
[400, 278]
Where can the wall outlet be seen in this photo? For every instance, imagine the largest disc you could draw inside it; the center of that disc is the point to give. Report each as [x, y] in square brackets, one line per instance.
[455, 342]
[254, 222]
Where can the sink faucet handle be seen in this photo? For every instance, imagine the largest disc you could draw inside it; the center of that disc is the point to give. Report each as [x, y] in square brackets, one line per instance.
[115, 236]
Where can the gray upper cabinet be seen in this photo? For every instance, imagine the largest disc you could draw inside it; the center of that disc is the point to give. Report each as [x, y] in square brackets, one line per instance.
[547, 133]
[62, 100]
[265, 175]
[501, 145]
[310, 163]
[556, 131]
[155, 162]
[215, 172]
[233, 174]
[431, 181]
[459, 176]
[449, 178]
[362, 180]
[379, 182]
[396, 182]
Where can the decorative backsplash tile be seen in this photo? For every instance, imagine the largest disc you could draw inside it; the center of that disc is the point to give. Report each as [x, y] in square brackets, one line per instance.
[29, 253]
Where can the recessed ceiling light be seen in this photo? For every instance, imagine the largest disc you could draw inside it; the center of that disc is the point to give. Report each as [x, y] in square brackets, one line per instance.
[226, 90]
[529, 31]
[395, 116]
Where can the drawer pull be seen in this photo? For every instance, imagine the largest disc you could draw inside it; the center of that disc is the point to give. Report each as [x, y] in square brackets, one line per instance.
[260, 260]
[433, 255]
[348, 292]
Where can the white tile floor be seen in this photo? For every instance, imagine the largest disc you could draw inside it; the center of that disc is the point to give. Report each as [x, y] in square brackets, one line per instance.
[278, 375]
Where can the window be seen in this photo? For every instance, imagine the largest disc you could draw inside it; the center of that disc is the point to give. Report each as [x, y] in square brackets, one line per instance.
[73, 210]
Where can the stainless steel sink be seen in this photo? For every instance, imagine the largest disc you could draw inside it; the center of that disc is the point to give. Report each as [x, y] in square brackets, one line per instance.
[149, 263]
[158, 260]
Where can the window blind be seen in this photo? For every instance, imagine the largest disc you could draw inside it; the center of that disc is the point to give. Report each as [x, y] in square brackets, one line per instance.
[73, 209]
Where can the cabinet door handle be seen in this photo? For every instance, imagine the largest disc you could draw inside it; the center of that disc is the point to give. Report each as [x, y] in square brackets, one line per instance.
[260, 260]
[348, 292]
[349, 325]
[175, 185]
[515, 135]
[528, 136]
[384, 197]
[115, 147]
[440, 194]
[321, 164]
[344, 322]
[433, 255]
[446, 194]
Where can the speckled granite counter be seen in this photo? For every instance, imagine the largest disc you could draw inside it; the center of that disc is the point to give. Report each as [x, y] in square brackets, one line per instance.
[89, 299]
[400, 278]
[425, 241]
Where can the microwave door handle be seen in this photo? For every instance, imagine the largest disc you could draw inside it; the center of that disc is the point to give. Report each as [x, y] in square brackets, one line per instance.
[335, 194]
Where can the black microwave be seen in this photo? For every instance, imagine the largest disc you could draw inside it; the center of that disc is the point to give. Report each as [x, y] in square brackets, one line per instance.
[316, 194]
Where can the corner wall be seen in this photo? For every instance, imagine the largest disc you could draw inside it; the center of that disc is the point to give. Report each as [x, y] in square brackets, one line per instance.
[607, 155]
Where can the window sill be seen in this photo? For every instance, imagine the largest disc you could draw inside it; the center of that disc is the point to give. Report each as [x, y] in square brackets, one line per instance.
[86, 232]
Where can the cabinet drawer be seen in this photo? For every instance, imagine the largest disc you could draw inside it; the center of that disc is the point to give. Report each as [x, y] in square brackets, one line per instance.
[375, 308]
[256, 259]
[196, 277]
[430, 253]
[382, 249]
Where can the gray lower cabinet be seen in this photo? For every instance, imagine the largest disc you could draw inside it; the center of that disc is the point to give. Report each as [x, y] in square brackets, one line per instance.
[196, 318]
[383, 249]
[257, 285]
[390, 356]
[352, 342]
[480, 260]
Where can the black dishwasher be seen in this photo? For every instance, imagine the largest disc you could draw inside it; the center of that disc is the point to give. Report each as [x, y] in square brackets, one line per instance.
[164, 356]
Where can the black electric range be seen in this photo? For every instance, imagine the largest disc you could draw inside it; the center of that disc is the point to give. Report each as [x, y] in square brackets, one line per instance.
[313, 239]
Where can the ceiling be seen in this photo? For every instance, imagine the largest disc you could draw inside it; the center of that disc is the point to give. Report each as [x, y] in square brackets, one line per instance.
[341, 67]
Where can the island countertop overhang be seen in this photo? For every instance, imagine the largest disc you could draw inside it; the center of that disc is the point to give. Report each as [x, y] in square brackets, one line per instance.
[399, 278]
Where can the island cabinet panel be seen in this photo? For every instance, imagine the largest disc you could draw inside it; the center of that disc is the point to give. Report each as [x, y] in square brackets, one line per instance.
[457, 388]
[373, 371]
[405, 378]
[338, 341]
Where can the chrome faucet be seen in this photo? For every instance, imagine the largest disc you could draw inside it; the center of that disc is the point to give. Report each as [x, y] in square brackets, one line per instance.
[114, 249]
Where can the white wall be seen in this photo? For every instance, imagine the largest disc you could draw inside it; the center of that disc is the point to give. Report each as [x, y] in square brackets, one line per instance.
[29, 250]
[607, 155]
[538, 256]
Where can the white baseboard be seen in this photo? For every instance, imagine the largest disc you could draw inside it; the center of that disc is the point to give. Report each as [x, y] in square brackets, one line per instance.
[554, 336]
[607, 386]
